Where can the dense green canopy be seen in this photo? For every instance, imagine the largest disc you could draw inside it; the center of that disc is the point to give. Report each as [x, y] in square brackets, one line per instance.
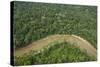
[33, 21]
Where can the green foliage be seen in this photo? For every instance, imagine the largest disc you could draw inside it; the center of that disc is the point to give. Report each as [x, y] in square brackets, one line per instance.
[33, 21]
[57, 52]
